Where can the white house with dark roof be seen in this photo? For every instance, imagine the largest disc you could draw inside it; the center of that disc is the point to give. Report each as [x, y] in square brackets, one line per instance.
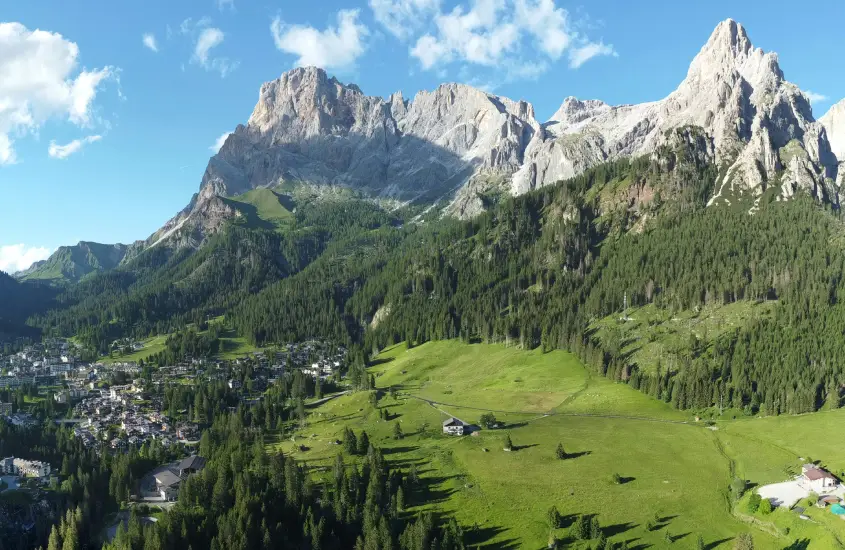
[453, 426]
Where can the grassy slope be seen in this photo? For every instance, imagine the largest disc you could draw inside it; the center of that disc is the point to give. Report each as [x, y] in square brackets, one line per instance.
[652, 333]
[677, 469]
[151, 347]
[264, 206]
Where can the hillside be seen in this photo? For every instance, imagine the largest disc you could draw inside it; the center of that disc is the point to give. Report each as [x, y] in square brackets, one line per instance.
[69, 264]
[681, 477]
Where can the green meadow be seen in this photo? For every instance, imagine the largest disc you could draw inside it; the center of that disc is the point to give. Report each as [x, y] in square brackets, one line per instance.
[675, 471]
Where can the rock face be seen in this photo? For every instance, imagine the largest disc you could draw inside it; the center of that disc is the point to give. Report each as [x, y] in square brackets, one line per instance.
[834, 125]
[735, 92]
[456, 142]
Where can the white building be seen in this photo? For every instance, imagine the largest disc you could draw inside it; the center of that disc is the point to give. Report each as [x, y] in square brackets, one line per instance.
[24, 468]
[818, 479]
[453, 426]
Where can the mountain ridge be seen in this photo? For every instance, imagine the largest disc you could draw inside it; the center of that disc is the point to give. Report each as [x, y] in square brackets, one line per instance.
[72, 263]
[454, 145]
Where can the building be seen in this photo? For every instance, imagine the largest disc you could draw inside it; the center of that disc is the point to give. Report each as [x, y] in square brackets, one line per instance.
[453, 426]
[818, 479]
[190, 465]
[5, 409]
[167, 484]
[234, 384]
[24, 468]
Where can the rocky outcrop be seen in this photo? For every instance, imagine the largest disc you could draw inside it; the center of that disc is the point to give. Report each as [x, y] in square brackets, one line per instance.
[834, 125]
[459, 144]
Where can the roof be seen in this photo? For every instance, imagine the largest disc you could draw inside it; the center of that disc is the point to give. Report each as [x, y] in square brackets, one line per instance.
[814, 474]
[192, 463]
[166, 478]
[452, 422]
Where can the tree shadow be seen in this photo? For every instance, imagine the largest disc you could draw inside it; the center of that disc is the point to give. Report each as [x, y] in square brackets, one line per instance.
[387, 451]
[617, 529]
[481, 536]
[717, 543]
[516, 448]
[802, 544]
[380, 361]
[570, 456]
[625, 480]
[676, 538]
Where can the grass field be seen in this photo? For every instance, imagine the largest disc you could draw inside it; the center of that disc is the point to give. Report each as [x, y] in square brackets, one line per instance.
[673, 468]
[266, 208]
[151, 347]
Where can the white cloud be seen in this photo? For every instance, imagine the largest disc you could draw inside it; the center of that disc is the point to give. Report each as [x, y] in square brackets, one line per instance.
[520, 37]
[814, 97]
[334, 48]
[39, 81]
[580, 55]
[149, 41]
[208, 39]
[218, 143]
[402, 17]
[57, 151]
[17, 257]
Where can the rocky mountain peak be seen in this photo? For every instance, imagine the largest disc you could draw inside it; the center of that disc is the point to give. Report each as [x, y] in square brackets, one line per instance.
[457, 142]
[834, 123]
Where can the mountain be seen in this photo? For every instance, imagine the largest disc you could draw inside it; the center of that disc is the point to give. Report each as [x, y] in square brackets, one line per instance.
[72, 263]
[762, 126]
[834, 123]
[457, 144]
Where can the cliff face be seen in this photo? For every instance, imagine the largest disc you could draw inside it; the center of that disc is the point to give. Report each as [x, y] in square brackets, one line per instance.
[456, 142]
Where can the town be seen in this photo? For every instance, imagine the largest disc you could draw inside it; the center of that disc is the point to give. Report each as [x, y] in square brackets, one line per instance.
[115, 407]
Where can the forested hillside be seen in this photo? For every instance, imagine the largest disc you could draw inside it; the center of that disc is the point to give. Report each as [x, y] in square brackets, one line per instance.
[534, 270]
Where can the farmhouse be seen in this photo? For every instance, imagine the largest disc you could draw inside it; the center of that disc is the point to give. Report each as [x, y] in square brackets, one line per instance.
[453, 426]
[818, 479]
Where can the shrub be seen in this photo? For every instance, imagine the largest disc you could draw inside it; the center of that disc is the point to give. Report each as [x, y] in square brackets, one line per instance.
[753, 503]
[617, 479]
[765, 506]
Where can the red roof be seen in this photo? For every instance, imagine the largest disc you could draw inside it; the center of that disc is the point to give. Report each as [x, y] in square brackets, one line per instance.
[814, 474]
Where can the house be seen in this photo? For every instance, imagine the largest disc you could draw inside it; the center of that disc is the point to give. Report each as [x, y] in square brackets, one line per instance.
[190, 465]
[818, 479]
[453, 426]
[167, 484]
[5, 409]
[235, 384]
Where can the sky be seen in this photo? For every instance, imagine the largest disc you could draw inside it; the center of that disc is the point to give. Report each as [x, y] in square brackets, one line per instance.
[110, 110]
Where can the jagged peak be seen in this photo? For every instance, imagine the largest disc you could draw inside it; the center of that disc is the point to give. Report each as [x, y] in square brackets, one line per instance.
[729, 49]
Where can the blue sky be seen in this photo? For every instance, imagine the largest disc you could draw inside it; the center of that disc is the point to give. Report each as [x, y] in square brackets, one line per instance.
[109, 137]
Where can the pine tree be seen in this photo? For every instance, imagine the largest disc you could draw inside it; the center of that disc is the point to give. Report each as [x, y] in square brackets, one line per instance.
[559, 452]
[397, 431]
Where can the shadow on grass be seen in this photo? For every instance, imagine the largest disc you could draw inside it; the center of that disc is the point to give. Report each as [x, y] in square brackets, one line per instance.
[481, 537]
[398, 450]
[717, 543]
[570, 456]
[516, 448]
[802, 544]
[381, 361]
[617, 529]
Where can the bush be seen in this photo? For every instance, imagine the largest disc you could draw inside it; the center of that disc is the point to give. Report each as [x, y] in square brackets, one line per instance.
[507, 444]
[616, 479]
[753, 503]
[738, 487]
[744, 542]
[765, 507]
[488, 421]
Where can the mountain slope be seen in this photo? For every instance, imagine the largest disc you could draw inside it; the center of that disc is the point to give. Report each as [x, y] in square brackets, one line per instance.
[457, 144]
[72, 263]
